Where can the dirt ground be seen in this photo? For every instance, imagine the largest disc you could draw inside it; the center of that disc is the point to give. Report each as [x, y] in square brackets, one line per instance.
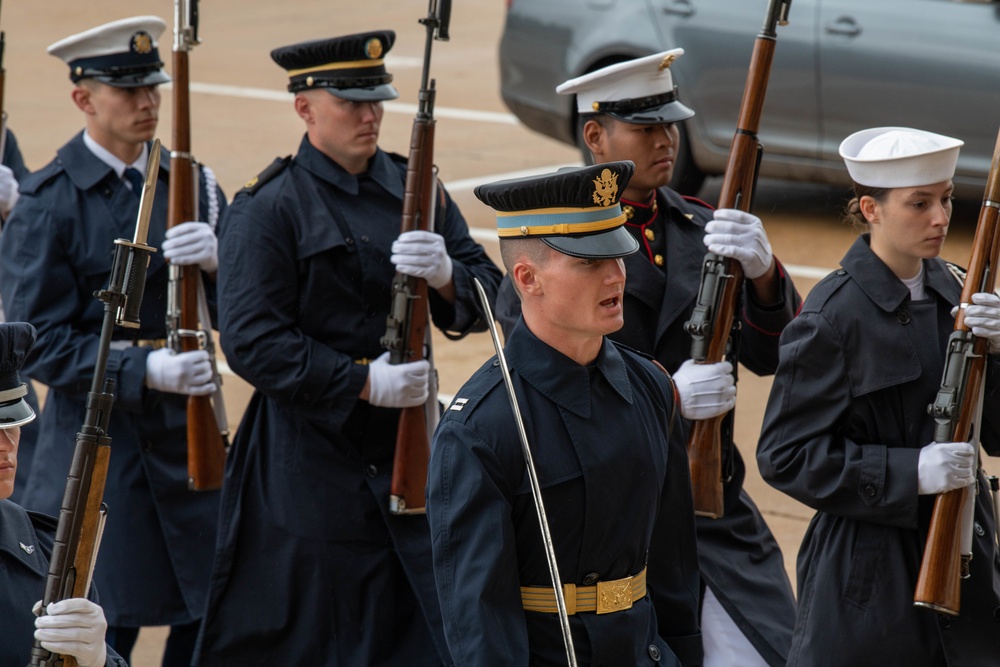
[242, 119]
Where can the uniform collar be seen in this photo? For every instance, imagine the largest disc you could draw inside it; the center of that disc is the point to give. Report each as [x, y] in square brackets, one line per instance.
[86, 169]
[380, 169]
[18, 538]
[882, 286]
[558, 377]
[112, 160]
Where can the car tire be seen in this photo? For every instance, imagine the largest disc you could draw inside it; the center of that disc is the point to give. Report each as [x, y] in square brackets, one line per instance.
[687, 178]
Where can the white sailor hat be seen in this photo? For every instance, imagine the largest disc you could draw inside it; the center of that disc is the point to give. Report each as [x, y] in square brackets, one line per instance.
[122, 53]
[636, 91]
[899, 157]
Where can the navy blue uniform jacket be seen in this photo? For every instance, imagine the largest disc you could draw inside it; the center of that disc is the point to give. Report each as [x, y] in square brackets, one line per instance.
[842, 433]
[56, 250]
[601, 447]
[739, 559]
[305, 282]
[25, 548]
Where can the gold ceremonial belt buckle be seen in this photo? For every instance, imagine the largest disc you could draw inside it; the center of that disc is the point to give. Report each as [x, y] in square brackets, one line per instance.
[614, 595]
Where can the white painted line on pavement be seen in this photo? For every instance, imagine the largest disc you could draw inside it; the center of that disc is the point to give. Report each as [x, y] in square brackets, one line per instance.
[391, 107]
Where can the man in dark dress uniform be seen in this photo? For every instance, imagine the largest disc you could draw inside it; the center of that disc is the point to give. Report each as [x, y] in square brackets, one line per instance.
[312, 568]
[56, 250]
[12, 172]
[73, 627]
[630, 111]
[613, 477]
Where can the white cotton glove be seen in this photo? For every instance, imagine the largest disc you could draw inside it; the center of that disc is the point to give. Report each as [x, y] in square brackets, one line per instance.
[182, 373]
[422, 255]
[8, 190]
[982, 316]
[705, 390]
[944, 466]
[192, 243]
[75, 627]
[397, 385]
[739, 235]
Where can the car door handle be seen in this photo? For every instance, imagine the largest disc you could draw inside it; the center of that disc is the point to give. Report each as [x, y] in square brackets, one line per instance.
[679, 8]
[845, 25]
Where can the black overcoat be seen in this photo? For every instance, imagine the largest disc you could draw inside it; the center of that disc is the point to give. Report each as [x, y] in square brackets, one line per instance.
[842, 433]
[305, 282]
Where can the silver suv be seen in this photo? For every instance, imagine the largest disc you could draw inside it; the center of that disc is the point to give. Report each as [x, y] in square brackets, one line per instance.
[839, 66]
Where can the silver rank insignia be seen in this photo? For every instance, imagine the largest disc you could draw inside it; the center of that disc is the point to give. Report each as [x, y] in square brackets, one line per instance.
[28, 548]
[459, 404]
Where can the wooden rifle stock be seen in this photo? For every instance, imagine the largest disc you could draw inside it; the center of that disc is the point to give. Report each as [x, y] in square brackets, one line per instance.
[407, 336]
[206, 438]
[943, 565]
[722, 278]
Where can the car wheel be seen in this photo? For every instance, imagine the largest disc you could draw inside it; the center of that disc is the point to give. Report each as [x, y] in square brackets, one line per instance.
[687, 178]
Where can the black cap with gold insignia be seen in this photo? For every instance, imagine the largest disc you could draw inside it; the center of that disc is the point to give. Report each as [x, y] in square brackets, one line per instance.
[16, 341]
[121, 53]
[351, 67]
[575, 211]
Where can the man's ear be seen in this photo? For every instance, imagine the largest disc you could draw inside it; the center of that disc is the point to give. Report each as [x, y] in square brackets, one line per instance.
[303, 107]
[525, 278]
[81, 98]
[594, 136]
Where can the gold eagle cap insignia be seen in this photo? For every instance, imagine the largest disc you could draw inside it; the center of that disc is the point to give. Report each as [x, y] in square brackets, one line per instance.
[373, 48]
[142, 42]
[667, 61]
[605, 188]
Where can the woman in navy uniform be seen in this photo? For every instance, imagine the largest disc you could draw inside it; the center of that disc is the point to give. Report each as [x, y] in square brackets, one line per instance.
[73, 627]
[614, 478]
[56, 250]
[312, 569]
[847, 431]
[630, 111]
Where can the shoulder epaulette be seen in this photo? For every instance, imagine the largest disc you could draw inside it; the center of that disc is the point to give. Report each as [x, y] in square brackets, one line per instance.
[695, 200]
[31, 183]
[269, 172]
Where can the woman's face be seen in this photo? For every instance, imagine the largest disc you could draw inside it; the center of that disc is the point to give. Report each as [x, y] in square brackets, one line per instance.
[909, 225]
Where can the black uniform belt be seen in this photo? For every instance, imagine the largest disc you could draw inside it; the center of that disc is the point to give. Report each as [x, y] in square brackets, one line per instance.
[604, 598]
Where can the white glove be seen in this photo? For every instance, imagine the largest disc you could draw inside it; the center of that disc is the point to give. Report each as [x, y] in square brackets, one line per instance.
[397, 385]
[422, 255]
[705, 390]
[183, 373]
[192, 243]
[739, 235]
[944, 466]
[75, 627]
[8, 190]
[982, 316]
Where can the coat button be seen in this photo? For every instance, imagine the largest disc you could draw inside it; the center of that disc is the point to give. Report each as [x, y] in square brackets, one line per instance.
[903, 316]
[654, 652]
[496, 362]
[364, 239]
[870, 490]
[979, 529]
[371, 470]
[944, 621]
[590, 579]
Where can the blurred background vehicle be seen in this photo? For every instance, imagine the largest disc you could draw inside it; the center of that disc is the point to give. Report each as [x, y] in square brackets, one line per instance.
[839, 66]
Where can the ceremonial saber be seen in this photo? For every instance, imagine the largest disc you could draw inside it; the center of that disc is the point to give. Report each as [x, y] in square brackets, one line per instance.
[536, 489]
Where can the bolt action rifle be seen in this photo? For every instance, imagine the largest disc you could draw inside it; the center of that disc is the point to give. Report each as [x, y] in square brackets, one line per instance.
[713, 318]
[407, 335]
[189, 325]
[948, 550]
[83, 512]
